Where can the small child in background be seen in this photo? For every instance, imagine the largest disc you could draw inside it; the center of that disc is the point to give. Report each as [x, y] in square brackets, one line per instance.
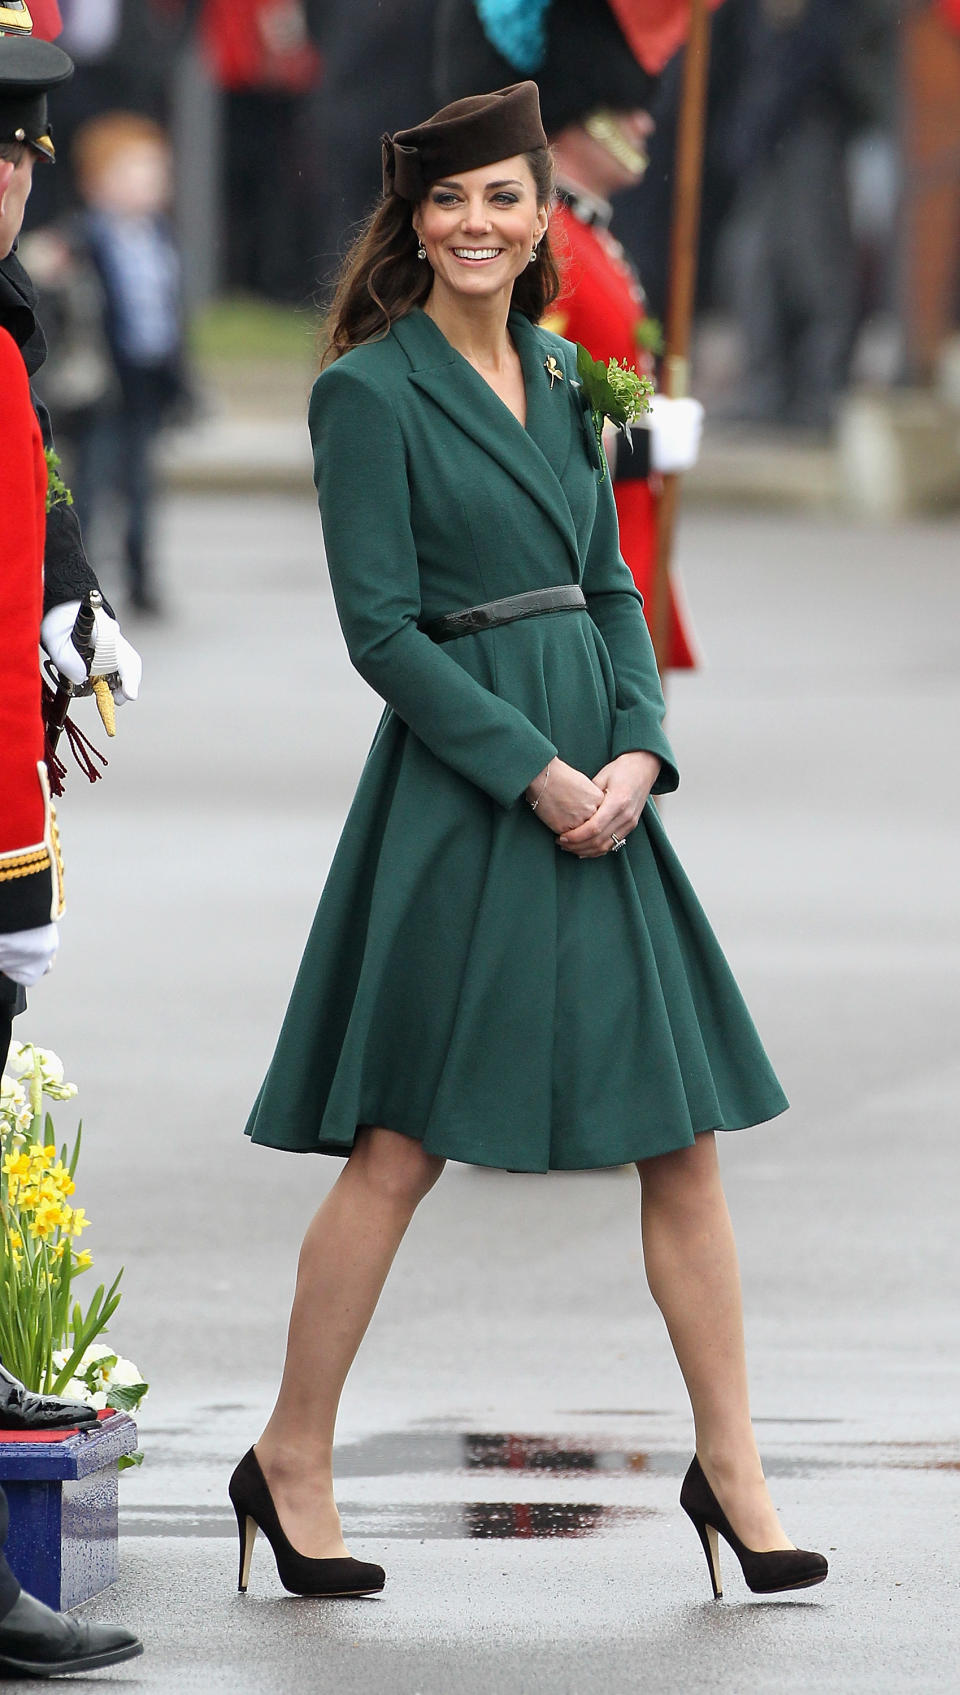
[124, 173]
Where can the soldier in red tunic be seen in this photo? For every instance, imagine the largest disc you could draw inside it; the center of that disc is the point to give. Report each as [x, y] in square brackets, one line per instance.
[595, 96]
[602, 306]
[34, 1641]
[31, 894]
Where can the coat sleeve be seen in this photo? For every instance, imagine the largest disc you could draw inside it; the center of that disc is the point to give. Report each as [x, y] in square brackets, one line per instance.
[360, 470]
[30, 885]
[617, 610]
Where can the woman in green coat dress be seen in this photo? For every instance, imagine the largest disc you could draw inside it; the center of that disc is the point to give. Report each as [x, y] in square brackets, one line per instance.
[508, 966]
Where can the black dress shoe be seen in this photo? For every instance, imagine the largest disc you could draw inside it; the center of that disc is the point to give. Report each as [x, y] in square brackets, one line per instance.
[35, 1642]
[21, 1409]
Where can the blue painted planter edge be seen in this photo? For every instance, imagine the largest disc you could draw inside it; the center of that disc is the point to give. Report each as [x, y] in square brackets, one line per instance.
[76, 1456]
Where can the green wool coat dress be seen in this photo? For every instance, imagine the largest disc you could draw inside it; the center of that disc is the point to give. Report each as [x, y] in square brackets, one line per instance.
[466, 982]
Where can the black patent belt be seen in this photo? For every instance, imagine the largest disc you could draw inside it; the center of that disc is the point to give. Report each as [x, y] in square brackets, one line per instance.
[532, 604]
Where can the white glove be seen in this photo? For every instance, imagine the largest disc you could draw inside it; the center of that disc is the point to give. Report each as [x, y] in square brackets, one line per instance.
[675, 430]
[25, 955]
[112, 653]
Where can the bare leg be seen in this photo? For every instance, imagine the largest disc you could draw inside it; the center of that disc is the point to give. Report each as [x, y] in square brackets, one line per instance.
[347, 1252]
[692, 1270]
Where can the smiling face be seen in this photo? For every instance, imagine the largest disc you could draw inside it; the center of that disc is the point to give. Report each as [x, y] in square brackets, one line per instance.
[479, 228]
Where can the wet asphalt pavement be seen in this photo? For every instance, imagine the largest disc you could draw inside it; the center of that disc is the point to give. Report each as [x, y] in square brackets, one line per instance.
[514, 1435]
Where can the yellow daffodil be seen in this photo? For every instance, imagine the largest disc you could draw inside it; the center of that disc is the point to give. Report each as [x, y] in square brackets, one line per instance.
[61, 1177]
[39, 1229]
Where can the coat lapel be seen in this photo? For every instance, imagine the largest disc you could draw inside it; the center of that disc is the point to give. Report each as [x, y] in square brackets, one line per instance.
[525, 453]
[549, 416]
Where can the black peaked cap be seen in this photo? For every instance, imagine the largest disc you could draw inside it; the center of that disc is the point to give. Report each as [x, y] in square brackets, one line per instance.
[28, 68]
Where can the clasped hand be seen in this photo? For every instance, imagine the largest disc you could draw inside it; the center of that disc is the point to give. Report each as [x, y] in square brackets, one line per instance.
[584, 813]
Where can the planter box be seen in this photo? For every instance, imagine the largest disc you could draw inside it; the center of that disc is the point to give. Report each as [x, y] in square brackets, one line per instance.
[62, 1490]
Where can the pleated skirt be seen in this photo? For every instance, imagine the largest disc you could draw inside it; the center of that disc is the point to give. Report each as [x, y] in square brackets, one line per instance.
[468, 984]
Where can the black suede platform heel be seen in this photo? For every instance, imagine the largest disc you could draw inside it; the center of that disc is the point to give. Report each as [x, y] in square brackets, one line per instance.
[765, 1573]
[253, 1505]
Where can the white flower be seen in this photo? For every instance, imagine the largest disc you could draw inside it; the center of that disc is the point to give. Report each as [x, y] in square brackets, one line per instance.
[15, 1108]
[124, 1373]
[27, 1060]
[95, 1366]
[20, 1060]
[60, 1091]
[51, 1065]
[74, 1390]
[96, 1351]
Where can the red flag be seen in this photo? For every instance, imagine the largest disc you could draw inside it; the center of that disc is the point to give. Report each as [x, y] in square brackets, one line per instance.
[47, 22]
[656, 28]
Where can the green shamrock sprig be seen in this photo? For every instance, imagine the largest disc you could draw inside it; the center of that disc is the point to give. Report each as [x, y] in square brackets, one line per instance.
[611, 391]
[57, 492]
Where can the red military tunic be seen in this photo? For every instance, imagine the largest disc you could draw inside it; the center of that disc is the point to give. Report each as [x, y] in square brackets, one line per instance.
[600, 306]
[30, 880]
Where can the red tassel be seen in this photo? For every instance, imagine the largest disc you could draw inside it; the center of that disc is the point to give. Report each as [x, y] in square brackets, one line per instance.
[56, 770]
[81, 747]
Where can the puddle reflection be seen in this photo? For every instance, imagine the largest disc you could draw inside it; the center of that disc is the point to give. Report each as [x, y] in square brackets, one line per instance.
[431, 1521]
[508, 1520]
[479, 1450]
[495, 1452]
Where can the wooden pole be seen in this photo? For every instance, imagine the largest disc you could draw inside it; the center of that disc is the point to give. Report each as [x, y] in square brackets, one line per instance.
[684, 242]
[929, 220]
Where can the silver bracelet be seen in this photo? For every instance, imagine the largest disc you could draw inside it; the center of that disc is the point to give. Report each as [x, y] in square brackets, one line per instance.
[533, 804]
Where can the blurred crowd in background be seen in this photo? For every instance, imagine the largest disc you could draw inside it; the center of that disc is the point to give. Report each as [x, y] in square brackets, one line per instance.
[212, 148]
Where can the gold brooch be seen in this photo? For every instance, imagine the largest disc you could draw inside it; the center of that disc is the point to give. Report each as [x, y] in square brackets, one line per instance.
[552, 369]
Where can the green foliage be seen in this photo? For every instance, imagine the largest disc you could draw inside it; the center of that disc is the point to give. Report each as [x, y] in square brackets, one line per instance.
[611, 391]
[44, 1331]
[57, 492]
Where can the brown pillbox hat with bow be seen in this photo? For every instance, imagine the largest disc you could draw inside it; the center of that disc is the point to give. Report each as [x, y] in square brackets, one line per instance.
[460, 137]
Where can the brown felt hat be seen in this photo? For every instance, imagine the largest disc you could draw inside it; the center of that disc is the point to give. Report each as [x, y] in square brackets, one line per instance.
[460, 137]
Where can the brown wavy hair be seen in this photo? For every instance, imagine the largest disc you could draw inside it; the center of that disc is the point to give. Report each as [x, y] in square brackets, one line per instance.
[382, 279]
